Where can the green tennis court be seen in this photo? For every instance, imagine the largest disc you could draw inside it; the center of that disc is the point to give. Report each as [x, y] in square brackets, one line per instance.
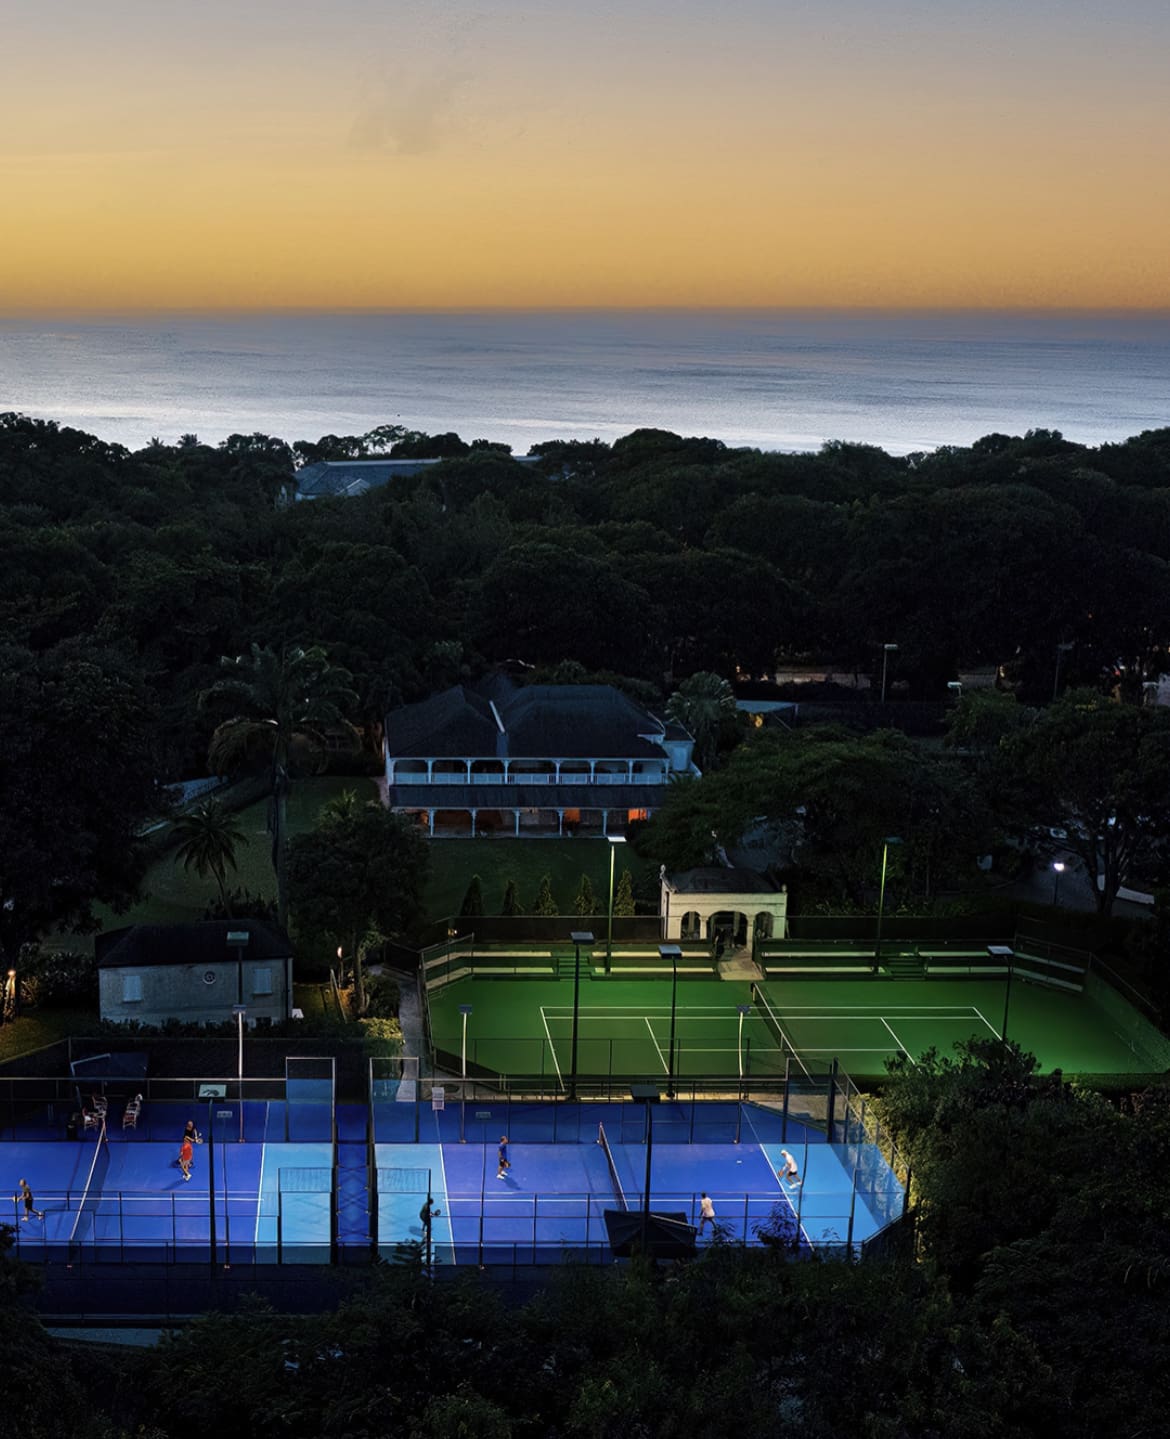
[524, 1026]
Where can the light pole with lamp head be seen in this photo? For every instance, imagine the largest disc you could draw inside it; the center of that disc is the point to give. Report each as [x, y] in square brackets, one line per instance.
[887, 650]
[956, 689]
[614, 841]
[877, 948]
[579, 937]
[1006, 955]
[674, 954]
[464, 1010]
[239, 1010]
[1058, 868]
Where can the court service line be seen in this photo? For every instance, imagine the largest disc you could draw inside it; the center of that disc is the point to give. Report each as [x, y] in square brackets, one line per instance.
[899, 1043]
[552, 1049]
[656, 1045]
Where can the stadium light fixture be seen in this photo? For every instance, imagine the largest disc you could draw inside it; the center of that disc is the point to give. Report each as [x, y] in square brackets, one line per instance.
[1006, 954]
[877, 947]
[1058, 868]
[579, 937]
[887, 651]
[614, 841]
[674, 954]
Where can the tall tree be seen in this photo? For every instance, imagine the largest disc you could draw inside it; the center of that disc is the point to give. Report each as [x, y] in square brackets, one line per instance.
[208, 838]
[1102, 771]
[702, 704]
[289, 701]
[585, 901]
[511, 903]
[472, 905]
[545, 903]
[354, 874]
[77, 767]
[623, 900]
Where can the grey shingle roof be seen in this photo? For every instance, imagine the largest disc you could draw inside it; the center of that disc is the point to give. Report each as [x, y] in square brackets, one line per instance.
[540, 721]
[204, 942]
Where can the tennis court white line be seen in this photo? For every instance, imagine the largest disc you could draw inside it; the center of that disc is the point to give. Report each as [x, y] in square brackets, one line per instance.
[901, 1047]
[654, 1042]
[259, 1190]
[988, 1023]
[447, 1202]
[551, 1047]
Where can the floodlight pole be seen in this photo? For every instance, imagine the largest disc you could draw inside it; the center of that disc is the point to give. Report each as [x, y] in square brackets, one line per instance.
[1006, 953]
[744, 1011]
[877, 948]
[674, 954]
[887, 650]
[464, 1010]
[579, 937]
[1058, 868]
[614, 840]
[240, 1011]
[213, 1256]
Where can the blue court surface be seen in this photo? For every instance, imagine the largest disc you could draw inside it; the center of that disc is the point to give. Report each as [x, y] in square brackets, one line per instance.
[552, 1201]
[126, 1200]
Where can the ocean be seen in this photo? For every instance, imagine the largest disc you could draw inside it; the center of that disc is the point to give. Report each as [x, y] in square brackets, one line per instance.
[772, 379]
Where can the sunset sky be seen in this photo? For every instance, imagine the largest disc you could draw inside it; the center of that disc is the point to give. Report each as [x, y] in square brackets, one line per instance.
[460, 153]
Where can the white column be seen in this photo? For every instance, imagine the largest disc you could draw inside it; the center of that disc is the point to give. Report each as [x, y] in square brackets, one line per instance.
[431, 822]
[473, 824]
[560, 824]
[430, 771]
[516, 815]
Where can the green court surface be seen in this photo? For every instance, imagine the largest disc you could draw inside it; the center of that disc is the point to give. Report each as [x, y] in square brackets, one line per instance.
[523, 1027]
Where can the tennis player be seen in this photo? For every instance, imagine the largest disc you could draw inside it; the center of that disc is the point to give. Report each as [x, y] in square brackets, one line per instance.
[27, 1198]
[789, 1171]
[505, 1164]
[186, 1155]
[191, 1133]
[706, 1213]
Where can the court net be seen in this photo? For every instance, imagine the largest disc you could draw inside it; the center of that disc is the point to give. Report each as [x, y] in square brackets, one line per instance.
[619, 1192]
[91, 1197]
[768, 1015]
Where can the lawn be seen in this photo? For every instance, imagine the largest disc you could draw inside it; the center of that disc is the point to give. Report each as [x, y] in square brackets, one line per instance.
[172, 894]
[527, 861]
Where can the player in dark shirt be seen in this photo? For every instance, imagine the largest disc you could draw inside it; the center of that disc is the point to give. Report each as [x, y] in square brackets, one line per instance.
[505, 1164]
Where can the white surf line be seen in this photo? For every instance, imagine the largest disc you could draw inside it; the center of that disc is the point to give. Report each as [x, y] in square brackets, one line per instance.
[986, 1021]
[899, 1043]
[552, 1049]
[656, 1045]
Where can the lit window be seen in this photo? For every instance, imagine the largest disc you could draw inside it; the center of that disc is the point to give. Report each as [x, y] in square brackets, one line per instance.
[262, 981]
[131, 989]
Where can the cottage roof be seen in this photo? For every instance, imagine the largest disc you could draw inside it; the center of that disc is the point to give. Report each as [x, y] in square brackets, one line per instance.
[203, 942]
[719, 879]
[538, 722]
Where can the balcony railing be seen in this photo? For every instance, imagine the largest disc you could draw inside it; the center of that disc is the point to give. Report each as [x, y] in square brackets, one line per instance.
[518, 777]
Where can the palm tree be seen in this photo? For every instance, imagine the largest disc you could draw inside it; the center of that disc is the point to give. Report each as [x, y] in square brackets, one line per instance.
[700, 705]
[289, 700]
[208, 836]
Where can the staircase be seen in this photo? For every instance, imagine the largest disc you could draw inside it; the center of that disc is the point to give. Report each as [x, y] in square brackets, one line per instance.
[903, 964]
[353, 1179]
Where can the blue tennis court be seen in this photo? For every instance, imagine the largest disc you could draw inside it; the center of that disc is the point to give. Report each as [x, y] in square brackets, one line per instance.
[551, 1203]
[260, 1202]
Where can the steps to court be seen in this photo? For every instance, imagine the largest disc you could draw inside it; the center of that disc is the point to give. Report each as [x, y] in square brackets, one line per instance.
[903, 965]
